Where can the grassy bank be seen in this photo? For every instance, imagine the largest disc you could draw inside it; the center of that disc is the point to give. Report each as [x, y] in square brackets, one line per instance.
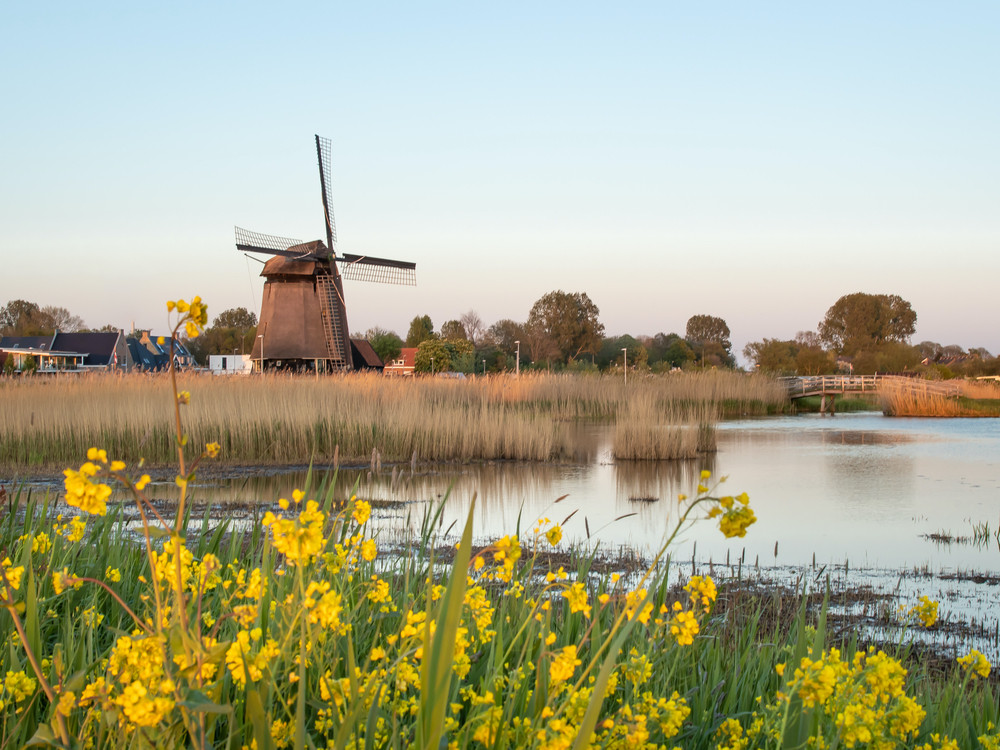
[841, 404]
[47, 423]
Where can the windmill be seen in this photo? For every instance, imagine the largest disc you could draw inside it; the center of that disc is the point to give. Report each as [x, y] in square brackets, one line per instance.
[303, 318]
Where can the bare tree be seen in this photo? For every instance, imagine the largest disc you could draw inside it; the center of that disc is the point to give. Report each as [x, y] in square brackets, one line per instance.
[63, 320]
[474, 326]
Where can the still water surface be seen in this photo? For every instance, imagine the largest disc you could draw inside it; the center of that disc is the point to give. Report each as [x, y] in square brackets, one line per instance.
[861, 489]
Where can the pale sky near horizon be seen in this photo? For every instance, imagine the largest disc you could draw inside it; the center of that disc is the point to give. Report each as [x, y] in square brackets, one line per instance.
[753, 161]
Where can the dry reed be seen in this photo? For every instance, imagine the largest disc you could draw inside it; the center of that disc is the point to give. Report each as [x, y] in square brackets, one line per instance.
[651, 431]
[47, 423]
[921, 398]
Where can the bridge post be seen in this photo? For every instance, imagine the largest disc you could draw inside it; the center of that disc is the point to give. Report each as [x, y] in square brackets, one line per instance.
[823, 402]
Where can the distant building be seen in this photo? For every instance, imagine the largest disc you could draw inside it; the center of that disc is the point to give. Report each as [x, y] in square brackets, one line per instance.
[404, 363]
[230, 364]
[68, 352]
[364, 356]
[152, 353]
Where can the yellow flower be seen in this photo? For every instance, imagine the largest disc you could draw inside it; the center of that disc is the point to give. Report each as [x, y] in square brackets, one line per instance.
[734, 522]
[976, 664]
[564, 664]
[361, 513]
[113, 574]
[369, 550]
[926, 611]
[82, 493]
[41, 544]
[554, 535]
[701, 590]
[632, 611]
[576, 595]
[301, 539]
[683, 626]
[12, 575]
[76, 529]
[66, 702]
[143, 481]
[212, 450]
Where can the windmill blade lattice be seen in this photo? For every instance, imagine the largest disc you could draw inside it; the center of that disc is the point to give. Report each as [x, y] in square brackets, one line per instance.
[255, 242]
[323, 149]
[381, 270]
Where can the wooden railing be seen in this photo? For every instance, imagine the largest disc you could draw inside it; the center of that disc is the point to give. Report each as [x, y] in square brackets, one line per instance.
[819, 385]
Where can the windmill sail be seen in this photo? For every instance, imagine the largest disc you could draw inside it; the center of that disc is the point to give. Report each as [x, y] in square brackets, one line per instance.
[323, 155]
[381, 270]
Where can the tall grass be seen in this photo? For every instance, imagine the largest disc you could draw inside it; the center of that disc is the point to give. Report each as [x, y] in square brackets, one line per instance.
[283, 419]
[905, 398]
[648, 430]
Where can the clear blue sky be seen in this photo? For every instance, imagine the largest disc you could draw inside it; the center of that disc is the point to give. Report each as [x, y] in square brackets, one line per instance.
[753, 161]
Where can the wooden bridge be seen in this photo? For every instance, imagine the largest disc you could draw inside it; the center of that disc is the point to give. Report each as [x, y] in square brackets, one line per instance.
[829, 386]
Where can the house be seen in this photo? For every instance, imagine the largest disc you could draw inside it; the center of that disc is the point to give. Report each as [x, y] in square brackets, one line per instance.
[152, 353]
[105, 350]
[404, 363]
[364, 356]
[102, 351]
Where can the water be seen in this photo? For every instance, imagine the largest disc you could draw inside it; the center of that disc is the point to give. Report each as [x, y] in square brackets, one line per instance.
[857, 489]
[854, 497]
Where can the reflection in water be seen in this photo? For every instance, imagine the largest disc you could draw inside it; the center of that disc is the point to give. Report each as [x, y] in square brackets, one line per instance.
[857, 488]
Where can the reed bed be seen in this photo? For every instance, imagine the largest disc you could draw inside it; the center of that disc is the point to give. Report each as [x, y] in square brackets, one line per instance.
[652, 431]
[45, 423]
[903, 398]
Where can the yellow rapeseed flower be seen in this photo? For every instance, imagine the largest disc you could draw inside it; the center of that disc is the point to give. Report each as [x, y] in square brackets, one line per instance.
[975, 664]
[554, 535]
[82, 492]
[576, 595]
[564, 664]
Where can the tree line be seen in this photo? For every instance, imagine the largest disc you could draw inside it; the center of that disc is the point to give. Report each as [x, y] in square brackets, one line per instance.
[860, 333]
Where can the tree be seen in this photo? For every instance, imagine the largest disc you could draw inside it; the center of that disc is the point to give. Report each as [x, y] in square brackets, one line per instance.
[859, 322]
[237, 317]
[772, 356]
[421, 329]
[63, 320]
[668, 350]
[474, 327]
[570, 323]
[709, 338]
[22, 318]
[443, 355]
[232, 330]
[504, 333]
[453, 330]
[387, 344]
[889, 356]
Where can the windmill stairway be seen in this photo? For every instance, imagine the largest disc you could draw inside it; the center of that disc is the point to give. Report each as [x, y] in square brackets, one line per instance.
[330, 304]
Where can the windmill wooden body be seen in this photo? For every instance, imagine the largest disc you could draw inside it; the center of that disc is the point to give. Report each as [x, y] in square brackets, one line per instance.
[303, 317]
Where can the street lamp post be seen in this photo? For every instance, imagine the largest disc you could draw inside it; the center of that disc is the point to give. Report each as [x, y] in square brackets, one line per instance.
[484, 368]
[517, 365]
[432, 365]
[625, 364]
[261, 337]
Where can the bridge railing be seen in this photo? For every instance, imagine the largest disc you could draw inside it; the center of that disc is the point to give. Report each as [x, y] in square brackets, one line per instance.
[799, 387]
[818, 384]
